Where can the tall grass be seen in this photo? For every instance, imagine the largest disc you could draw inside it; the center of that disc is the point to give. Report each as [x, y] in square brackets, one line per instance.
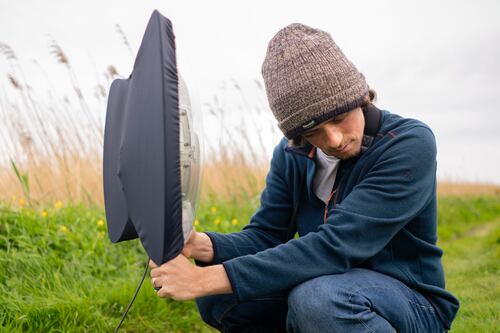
[56, 141]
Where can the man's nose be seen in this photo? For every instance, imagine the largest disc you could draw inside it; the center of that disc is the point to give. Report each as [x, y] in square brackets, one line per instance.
[334, 138]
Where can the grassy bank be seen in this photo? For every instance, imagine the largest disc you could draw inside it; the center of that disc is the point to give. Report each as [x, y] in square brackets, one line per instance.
[59, 272]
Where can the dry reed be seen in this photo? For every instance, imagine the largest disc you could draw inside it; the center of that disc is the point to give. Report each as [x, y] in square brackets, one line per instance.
[58, 144]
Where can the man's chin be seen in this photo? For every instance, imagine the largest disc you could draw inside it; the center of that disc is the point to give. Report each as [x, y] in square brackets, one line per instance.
[354, 151]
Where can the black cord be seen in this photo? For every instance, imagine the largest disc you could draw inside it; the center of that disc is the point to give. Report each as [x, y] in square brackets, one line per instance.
[133, 298]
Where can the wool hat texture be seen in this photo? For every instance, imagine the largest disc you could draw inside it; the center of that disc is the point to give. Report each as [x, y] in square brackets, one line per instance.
[308, 79]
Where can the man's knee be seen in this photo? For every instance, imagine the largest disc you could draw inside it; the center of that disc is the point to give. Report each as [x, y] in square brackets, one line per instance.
[327, 293]
[325, 300]
[312, 299]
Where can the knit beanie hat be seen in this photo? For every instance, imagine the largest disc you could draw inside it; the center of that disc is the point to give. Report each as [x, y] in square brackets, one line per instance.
[308, 79]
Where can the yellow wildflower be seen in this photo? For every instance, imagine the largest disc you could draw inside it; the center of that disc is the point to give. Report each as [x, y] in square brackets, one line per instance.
[14, 198]
[44, 213]
[58, 204]
[100, 222]
[217, 221]
[234, 221]
[213, 210]
[63, 228]
[21, 202]
[196, 222]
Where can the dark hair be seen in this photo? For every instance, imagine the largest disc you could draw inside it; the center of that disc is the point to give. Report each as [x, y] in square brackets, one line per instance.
[300, 141]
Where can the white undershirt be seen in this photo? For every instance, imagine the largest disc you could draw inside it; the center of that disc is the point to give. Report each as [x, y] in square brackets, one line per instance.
[324, 178]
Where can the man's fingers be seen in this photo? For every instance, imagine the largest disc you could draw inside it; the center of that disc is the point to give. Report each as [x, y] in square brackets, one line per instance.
[152, 264]
[155, 272]
[157, 282]
[162, 293]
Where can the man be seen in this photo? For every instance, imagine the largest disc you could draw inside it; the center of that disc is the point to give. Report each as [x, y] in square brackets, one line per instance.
[357, 183]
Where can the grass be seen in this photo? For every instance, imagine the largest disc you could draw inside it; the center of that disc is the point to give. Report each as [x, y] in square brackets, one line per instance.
[473, 266]
[458, 215]
[60, 273]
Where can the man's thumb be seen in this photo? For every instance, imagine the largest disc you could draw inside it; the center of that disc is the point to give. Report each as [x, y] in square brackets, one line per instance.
[186, 252]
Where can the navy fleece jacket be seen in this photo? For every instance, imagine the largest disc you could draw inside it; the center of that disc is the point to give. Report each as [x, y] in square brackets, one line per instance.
[383, 217]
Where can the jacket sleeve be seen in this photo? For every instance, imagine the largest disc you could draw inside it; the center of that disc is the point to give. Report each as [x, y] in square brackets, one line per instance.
[268, 226]
[395, 189]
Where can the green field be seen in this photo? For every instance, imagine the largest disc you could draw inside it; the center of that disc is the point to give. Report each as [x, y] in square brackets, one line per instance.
[60, 273]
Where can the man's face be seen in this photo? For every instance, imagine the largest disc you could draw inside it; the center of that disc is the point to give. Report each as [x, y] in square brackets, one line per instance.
[340, 136]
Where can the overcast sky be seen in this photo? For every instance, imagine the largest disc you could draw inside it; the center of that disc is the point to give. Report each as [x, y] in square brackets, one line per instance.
[437, 61]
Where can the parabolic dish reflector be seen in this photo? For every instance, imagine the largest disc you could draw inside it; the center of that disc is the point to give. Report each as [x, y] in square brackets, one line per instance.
[152, 152]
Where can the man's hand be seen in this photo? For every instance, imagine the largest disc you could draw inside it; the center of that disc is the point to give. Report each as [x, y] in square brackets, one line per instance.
[199, 246]
[178, 279]
[181, 280]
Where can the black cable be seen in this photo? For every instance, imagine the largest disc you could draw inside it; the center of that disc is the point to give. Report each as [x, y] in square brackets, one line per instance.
[133, 298]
